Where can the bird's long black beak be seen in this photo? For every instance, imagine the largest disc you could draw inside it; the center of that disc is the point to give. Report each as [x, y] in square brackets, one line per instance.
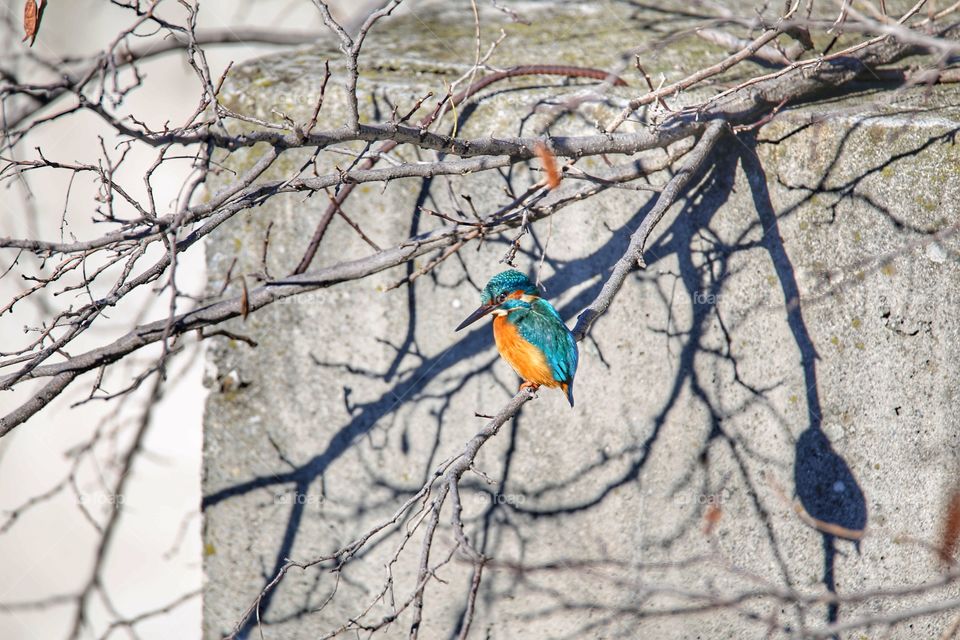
[476, 315]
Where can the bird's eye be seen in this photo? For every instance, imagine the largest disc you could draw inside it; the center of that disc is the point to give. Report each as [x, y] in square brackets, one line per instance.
[501, 297]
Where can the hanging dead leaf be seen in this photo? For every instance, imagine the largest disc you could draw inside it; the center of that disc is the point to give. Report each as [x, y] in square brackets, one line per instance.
[244, 299]
[549, 162]
[32, 14]
[711, 518]
[951, 527]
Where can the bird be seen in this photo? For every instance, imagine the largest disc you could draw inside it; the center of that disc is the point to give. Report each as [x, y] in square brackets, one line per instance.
[530, 334]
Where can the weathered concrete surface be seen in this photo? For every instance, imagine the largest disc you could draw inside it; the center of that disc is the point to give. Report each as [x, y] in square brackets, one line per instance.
[701, 385]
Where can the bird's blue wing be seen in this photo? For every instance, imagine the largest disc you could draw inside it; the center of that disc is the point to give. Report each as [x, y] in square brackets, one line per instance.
[543, 327]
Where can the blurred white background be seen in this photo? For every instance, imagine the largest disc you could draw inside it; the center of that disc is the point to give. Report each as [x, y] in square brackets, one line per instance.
[47, 554]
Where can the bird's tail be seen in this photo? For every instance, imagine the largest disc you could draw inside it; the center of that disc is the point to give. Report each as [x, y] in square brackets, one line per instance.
[568, 389]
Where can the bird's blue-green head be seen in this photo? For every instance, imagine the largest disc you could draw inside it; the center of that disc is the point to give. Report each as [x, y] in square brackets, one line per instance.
[504, 289]
[507, 284]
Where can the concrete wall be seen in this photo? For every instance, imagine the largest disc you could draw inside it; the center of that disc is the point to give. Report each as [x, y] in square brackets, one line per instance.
[795, 334]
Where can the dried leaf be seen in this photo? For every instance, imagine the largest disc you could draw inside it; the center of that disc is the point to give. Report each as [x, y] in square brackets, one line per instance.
[951, 527]
[549, 163]
[244, 299]
[711, 518]
[32, 14]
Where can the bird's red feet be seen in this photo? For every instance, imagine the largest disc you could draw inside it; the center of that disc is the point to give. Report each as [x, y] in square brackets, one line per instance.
[532, 386]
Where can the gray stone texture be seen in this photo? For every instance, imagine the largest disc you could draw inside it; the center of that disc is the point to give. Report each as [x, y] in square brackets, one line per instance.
[707, 382]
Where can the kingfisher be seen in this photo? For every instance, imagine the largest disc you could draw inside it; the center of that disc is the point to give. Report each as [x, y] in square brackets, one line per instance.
[529, 333]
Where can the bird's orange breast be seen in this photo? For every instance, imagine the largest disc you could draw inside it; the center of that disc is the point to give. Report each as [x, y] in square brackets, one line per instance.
[527, 360]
